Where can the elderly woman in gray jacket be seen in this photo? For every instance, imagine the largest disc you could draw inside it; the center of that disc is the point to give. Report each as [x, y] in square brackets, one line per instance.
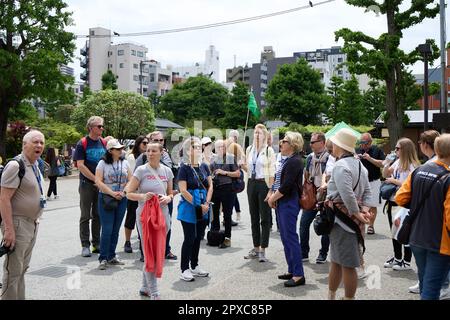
[348, 194]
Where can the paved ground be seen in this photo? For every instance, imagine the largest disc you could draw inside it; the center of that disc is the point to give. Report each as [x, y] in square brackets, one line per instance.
[57, 270]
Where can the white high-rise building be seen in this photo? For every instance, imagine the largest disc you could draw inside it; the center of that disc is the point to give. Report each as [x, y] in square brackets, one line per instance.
[210, 67]
[122, 59]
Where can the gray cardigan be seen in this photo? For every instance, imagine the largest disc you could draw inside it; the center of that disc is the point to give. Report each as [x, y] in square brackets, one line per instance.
[343, 179]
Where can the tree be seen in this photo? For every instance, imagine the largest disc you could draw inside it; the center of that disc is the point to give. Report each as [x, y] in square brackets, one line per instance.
[33, 45]
[126, 114]
[86, 93]
[351, 110]
[296, 94]
[374, 100]
[56, 133]
[109, 80]
[335, 92]
[236, 108]
[382, 58]
[199, 98]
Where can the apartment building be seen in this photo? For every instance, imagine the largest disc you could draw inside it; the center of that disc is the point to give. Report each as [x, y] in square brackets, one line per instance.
[210, 67]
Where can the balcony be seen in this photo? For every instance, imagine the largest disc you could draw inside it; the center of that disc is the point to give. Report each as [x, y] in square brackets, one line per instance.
[84, 76]
[84, 62]
[85, 50]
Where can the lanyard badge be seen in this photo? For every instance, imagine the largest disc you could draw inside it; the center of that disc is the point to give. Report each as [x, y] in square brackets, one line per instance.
[42, 200]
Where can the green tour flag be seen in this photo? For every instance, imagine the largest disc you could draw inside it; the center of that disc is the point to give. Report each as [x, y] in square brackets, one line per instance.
[253, 107]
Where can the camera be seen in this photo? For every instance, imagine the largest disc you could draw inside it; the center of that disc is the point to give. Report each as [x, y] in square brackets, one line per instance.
[4, 250]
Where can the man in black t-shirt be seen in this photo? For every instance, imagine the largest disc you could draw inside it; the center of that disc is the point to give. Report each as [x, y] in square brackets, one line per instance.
[372, 158]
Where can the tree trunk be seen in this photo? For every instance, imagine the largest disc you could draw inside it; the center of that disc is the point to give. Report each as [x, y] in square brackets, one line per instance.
[4, 111]
[394, 121]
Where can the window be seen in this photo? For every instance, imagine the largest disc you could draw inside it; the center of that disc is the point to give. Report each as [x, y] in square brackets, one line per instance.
[340, 60]
[92, 33]
[136, 78]
[152, 77]
[121, 65]
[448, 80]
[140, 54]
[133, 52]
[135, 65]
[120, 52]
[110, 53]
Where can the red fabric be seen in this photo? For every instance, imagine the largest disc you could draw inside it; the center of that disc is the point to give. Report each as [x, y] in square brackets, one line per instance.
[153, 236]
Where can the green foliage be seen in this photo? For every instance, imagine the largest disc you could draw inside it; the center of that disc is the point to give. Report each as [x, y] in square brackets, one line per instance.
[56, 133]
[335, 92]
[382, 59]
[374, 100]
[63, 113]
[24, 112]
[199, 98]
[86, 93]
[296, 94]
[30, 66]
[236, 109]
[126, 114]
[351, 109]
[109, 80]
[434, 88]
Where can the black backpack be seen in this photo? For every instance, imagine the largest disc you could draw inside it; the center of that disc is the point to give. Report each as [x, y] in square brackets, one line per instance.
[21, 172]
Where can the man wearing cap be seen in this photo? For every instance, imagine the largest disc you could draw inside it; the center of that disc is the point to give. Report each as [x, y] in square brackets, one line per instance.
[88, 152]
[372, 158]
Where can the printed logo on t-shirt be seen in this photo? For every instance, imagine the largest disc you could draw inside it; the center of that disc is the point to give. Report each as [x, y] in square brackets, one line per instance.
[152, 177]
[94, 154]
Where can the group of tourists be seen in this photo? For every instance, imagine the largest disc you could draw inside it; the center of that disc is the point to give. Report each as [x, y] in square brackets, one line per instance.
[140, 186]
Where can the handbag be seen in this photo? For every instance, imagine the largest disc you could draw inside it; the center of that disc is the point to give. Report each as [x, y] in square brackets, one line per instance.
[215, 238]
[238, 184]
[387, 190]
[404, 231]
[308, 198]
[109, 202]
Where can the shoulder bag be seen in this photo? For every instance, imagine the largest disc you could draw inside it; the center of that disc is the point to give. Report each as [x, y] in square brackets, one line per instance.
[109, 202]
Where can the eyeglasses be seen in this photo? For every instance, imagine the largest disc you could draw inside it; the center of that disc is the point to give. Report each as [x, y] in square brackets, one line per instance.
[158, 140]
[397, 148]
[100, 126]
[284, 141]
[312, 142]
[364, 142]
[144, 143]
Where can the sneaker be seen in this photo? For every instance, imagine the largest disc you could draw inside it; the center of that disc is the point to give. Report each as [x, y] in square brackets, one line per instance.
[238, 216]
[155, 296]
[233, 223]
[95, 249]
[402, 266]
[225, 244]
[85, 252]
[143, 292]
[445, 294]
[1, 286]
[415, 288]
[103, 265]
[370, 230]
[116, 262]
[198, 272]
[262, 257]
[361, 272]
[321, 259]
[49, 198]
[252, 254]
[127, 247]
[390, 263]
[56, 197]
[171, 256]
[187, 275]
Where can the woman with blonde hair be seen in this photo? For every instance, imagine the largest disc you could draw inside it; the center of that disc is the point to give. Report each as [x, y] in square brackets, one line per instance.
[397, 173]
[284, 198]
[260, 166]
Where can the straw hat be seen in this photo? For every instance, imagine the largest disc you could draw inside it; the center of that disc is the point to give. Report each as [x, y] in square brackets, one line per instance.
[345, 139]
[114, 144]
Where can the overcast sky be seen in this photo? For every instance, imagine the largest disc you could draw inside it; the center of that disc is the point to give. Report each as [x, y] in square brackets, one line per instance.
[303, 30]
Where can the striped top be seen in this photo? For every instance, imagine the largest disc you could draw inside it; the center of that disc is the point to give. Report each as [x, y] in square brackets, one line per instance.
[276, 185]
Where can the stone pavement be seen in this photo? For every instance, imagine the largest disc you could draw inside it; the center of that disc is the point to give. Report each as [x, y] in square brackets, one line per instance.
[57, 270]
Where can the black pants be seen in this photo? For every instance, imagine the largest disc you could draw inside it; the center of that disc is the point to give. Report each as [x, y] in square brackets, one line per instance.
[397, 245]
[223, 195]
[168, 247]
[193, 234]
[237, 205]
[52, 186]
[260, 212]
[130, 219]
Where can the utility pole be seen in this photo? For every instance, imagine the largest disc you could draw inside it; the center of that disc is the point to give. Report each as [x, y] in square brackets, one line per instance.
[444, 102]
[426, 50]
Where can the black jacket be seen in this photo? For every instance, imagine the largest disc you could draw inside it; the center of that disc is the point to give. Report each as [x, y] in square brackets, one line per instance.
[291, 176]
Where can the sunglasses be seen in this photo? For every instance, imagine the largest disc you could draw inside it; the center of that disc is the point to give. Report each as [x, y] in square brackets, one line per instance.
[312, 142]
[100, 126]
[158, 140]
[144, 143]
[364, 142]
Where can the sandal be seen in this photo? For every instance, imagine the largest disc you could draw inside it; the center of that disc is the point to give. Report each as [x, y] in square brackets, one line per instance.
[370, 230]
[171, 256]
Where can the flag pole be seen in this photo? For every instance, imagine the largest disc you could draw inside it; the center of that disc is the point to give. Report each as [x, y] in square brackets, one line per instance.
[246, 123]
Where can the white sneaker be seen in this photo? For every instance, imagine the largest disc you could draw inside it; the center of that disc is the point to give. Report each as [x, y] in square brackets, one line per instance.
[103, 265]
[445, 294]
[49, 198]
[361, 271]
[391, 262]
[238, 216]
[402, 266]
[198, 272]
[56, 197]
[262, 257]
[415, 288]
[187, 275]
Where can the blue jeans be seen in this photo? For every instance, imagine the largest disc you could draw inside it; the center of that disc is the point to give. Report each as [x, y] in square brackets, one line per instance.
[305, 224]
[432, 268]
[110, 222]
[287, 212]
